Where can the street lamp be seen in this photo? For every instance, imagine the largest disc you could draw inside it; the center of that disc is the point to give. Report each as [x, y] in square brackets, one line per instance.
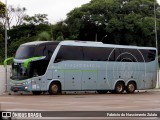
[6, 37]
[103, 38]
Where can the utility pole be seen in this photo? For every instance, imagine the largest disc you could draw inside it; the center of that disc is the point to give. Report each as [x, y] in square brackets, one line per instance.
[155, 23]
[6, 38]
[96, 37]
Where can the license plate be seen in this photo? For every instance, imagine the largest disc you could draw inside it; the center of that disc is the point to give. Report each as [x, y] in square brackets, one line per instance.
[18, 84]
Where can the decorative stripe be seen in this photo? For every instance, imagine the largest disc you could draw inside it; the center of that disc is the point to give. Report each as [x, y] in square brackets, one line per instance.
[27, 61]
[75, 70]
[7, 60]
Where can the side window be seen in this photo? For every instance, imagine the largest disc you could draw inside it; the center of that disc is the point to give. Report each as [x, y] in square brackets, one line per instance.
[91, 53]
[111, 54]
[94, 54]
[129, 55]
[117, 53]
[69, 53]
[97, 53]
[49, 50]
[149, 55]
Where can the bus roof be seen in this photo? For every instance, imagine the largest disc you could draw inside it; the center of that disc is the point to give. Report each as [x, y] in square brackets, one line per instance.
[100, 44]
[40, 42]
[87, 43]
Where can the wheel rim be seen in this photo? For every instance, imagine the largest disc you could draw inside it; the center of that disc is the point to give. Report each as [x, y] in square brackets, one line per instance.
[131, 87]
[54, 88]
[119, 88]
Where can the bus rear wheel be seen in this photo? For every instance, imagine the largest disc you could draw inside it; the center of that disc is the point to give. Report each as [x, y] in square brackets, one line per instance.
[55, 88]
[119, 87]
[102, 91]
[131, 87]
[36, 92]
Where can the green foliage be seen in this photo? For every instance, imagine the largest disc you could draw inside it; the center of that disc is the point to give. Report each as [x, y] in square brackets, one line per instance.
[2, 12]
[2, 9]
[44, 36]
[12, 47]
[60, 30]
[36, 19]
[129, 22]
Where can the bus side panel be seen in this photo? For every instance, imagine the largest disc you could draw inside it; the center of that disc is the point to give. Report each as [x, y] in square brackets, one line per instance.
[151, 75]
[103, 81]
[72, 80]
[89, 80]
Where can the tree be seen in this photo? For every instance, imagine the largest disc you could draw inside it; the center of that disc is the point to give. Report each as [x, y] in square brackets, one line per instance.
[36, 19]
[44, 36]
[60, 30]
[19, 14]
[129, 22]
[15, 14]
[2, 13]
[60, 37]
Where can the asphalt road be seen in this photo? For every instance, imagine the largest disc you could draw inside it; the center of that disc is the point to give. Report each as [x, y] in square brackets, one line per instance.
[139, 101]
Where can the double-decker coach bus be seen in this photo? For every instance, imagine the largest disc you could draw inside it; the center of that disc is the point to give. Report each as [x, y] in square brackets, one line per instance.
[83, 66]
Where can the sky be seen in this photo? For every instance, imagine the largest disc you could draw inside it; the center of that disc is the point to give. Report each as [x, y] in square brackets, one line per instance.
[56, 9]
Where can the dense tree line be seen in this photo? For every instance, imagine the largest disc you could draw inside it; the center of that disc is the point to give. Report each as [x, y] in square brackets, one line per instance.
[127, 22]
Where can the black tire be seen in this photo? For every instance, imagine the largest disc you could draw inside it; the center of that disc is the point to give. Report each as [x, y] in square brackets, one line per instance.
[119, 87]
[55, 88]
[131, 87]
[36, 92]
[102, 91]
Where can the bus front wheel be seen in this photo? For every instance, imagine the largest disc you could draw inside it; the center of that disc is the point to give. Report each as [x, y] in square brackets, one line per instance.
[119, 87]
[55, 88]
[131, 87]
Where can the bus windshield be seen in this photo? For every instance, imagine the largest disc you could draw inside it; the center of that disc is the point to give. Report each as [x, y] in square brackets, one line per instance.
[25, 52]
[35, 68]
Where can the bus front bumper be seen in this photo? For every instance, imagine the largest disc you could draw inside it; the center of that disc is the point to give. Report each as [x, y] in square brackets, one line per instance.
[19, 88]
[24, 85]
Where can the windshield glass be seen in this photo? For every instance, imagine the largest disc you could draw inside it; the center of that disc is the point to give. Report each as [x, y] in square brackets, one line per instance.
[25, 52]
[35, 68]
[18, 72]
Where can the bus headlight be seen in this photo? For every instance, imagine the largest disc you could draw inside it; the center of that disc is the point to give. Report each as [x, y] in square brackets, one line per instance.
[26, 87]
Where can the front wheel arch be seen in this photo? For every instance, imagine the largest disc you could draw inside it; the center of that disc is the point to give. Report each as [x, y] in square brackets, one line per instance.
[55, 88]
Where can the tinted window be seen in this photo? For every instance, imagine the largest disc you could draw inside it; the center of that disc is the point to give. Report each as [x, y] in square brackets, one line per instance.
[149, 55]
[40, 51]
[96, 53]
[49, 49]
[132, 55]
[69, 53]
[45, 50]
[25, 52]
